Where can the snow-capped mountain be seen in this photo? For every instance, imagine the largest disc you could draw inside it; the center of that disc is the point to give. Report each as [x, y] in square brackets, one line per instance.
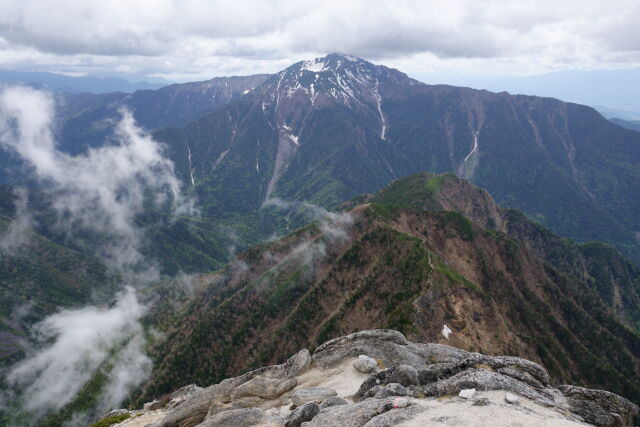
[331, 128]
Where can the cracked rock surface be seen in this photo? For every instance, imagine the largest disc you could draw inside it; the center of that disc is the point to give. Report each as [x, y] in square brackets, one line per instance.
[419, 385]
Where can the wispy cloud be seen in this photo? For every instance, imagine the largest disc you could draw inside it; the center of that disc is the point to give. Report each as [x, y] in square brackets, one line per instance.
[83, 341]
[99, 193]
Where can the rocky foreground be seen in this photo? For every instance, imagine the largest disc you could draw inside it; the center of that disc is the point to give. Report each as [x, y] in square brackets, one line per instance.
[379, 378]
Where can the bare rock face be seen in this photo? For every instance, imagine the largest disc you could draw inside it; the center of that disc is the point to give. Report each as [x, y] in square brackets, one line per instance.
[236, 417]
[420, 386]
[248, 390]
[387, 345]
[314, 394]
[599, 407]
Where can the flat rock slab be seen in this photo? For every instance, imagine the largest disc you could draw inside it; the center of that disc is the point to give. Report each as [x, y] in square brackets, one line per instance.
[313, 394]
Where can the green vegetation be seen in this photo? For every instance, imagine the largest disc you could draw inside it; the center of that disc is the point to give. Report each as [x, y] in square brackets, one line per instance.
[456, 278]
[108, 421]
[416, 191]
[458, 222]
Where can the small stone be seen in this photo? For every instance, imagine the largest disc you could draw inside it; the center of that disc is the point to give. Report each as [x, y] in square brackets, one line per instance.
[365, 364]
[511, 399]
[467, 393]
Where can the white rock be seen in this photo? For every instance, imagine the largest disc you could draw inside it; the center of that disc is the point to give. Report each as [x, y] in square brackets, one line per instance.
[467, 393]
[446, 331]
[511, 398]
[365, 364]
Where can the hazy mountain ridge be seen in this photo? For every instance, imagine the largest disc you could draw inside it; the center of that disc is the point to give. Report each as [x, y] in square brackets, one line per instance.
[75, 84]
[627, 124]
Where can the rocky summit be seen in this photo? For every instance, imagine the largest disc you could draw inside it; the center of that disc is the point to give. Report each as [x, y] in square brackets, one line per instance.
[379, 378]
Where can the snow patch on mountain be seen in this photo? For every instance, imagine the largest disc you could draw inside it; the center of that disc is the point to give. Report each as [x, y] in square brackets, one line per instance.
[317, 65]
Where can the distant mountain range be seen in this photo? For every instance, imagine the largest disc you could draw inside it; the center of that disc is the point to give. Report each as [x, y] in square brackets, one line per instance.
[329, 129]
[75, 84]
[627, 124]
[614, 93]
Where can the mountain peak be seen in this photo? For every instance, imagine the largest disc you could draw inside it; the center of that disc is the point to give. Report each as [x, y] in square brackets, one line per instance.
[331, 62]
[337, 77]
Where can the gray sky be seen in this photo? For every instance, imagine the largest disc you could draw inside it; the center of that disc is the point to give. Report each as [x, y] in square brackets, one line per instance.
[197, 39]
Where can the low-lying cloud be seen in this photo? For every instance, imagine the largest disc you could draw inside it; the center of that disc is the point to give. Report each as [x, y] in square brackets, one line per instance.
[102, 190]
[99, 194]
[334, 228]
[83, 342]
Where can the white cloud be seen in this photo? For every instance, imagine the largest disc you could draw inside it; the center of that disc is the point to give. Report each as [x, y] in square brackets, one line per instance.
[101, 191]
[84, 341]
[98, 194]
[204, 38]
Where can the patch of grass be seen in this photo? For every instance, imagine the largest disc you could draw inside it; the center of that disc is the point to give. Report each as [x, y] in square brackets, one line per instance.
[415, 191]
[385, 211]
[456, 278]
[115, 419]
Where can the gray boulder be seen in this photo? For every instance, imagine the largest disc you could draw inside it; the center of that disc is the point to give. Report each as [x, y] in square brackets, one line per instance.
[365, 364]
[405, 375]
[392, 389]
[599, 407]
[354, 415]
[302, 414]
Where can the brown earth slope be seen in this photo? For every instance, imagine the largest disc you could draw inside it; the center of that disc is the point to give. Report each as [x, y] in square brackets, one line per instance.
[425, 252]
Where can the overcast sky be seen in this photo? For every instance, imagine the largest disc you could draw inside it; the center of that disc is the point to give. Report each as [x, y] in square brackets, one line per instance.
[196, 39]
